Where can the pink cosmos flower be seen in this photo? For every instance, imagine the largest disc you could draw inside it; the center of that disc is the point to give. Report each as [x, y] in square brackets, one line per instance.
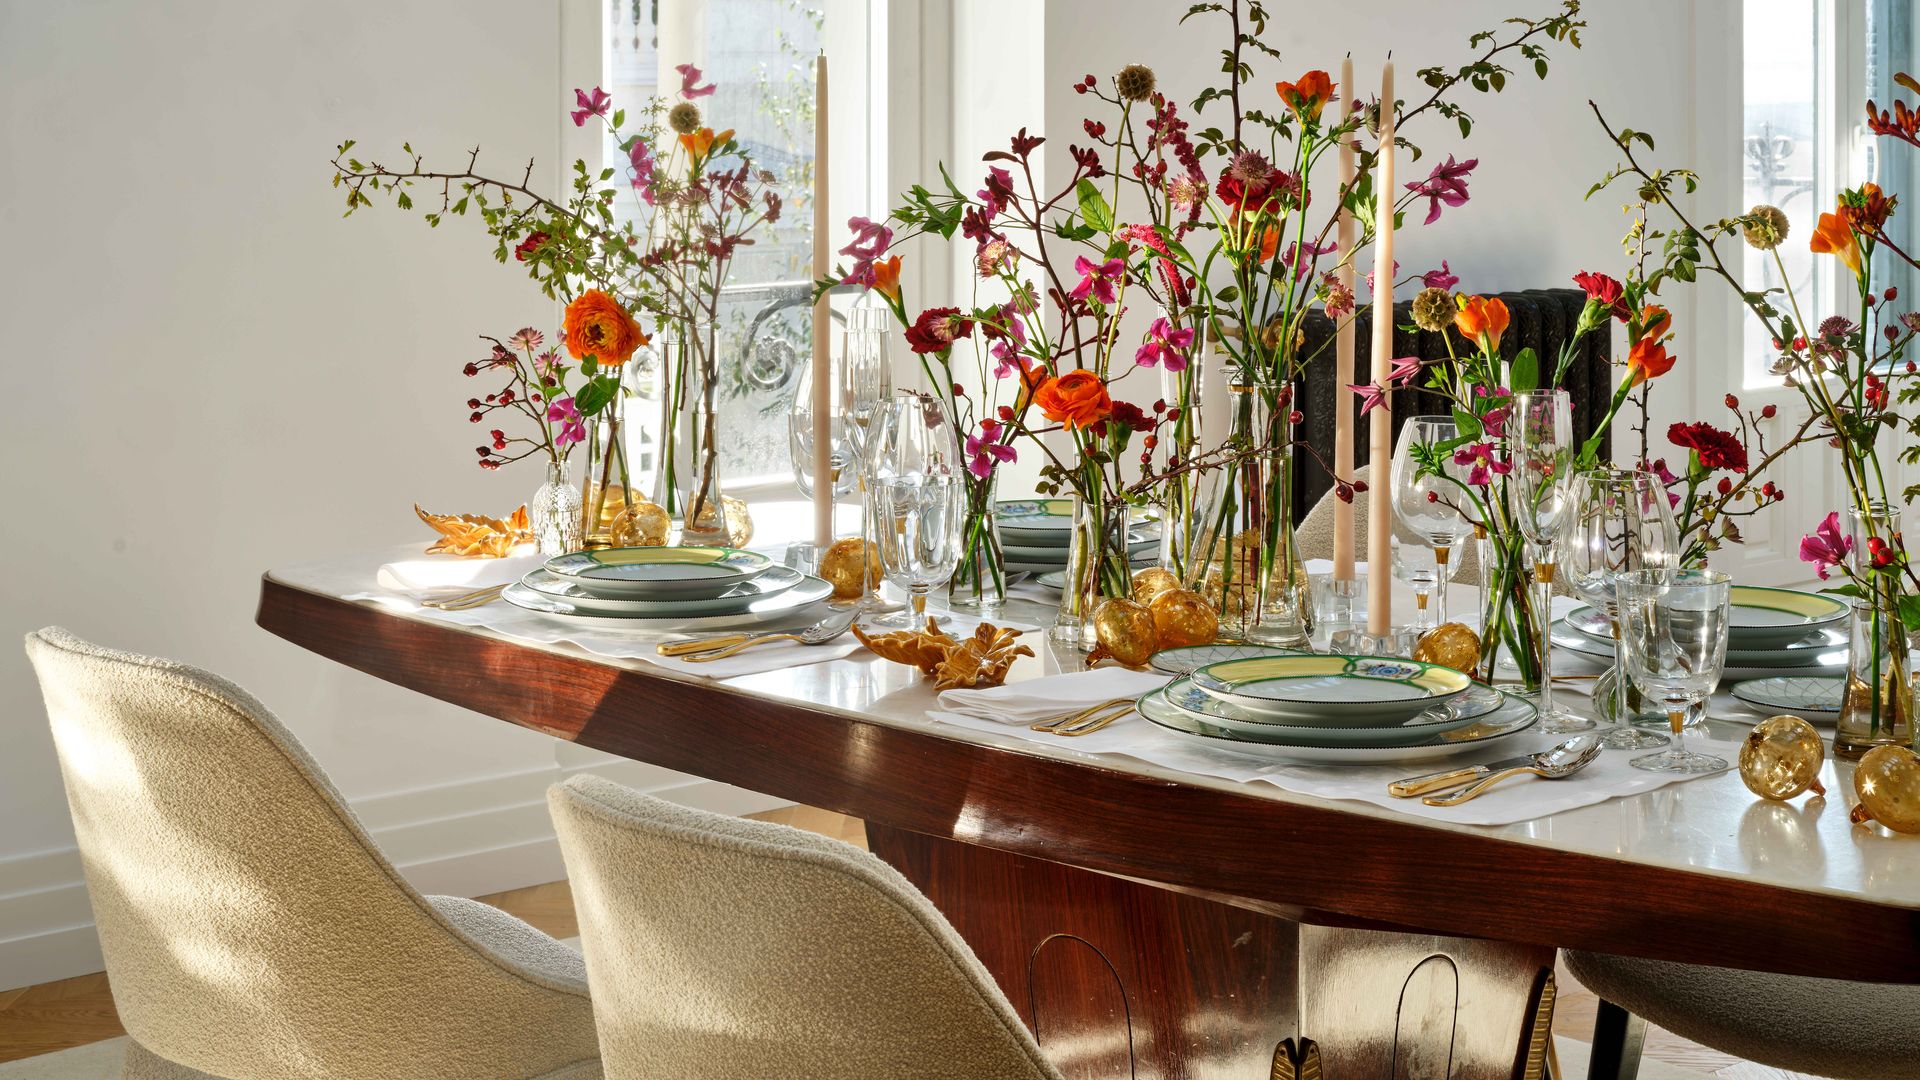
[985, 452]
[1165, 345]
[1442, 278]
[1826, 546]
[1097, 279]
[1447, 184]
[572, 428]
[594, 104]
[689, 82]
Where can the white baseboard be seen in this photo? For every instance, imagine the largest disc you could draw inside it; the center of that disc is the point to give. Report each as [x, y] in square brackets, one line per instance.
[467, 838]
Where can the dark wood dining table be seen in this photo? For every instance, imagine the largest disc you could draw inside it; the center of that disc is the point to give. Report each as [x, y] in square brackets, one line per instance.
[1152, 923]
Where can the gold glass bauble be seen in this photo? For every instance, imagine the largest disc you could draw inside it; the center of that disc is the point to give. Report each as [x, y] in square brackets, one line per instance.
[1781, 758]
[611, 506]
[1125, 631]
[1887, 780]
[1151, 582]
[739, 521]
[1184, 617]
[1453, 645]
[843, 564]
[643, 524]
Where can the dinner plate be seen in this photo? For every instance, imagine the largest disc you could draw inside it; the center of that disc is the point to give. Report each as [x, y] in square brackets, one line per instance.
[1185, 659]
[738, 597]
[660, 573]
[1810, 697]
[1058, 555]
[1760, 619]
[1513, 716]
[1820, 653]
[1332, 690]
[791, 604]
[1140, 561]
[1049, 523]
[1466, 709]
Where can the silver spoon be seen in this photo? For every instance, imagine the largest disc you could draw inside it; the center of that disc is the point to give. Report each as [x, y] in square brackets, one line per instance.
[1553, 763]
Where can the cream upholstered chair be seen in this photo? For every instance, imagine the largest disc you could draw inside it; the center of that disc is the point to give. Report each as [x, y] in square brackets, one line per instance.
[721, 948]
[1827, 1027]
[251, 928]
[1315, 532]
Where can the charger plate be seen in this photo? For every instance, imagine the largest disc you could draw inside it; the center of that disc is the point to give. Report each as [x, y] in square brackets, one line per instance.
[1333, 689]
[738, 597]
[1468, 708]
[791, 604]
[1515, 715]
[660, 573]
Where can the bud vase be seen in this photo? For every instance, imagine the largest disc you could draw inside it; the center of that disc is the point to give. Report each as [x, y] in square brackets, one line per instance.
[1180, 494]
[1878, 706]
[606, 485]
[1097, 567]
[979, 582]
[703, 514]
[1252, 570]
[670, 437]
[554, 512]
[1513, 635]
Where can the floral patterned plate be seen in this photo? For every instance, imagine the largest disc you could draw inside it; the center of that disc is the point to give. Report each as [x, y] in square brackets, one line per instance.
[660, 573]
[1332, 690]
[1815, 698]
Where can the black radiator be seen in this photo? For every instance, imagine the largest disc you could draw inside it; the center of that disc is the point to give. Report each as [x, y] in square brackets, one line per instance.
[1541, 319]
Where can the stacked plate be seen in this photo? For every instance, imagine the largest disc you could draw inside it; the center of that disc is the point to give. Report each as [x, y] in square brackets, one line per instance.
[1035, 535]
[1336, 709]
[666, 588]
[1768, 630]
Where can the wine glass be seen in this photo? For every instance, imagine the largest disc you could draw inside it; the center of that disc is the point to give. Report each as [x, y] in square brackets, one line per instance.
[1621, 522]
[1424, 502]
[1539, 485]
[863, 382]
[919, 497]
[1674, 626]
[800, 437]
[1418, 565]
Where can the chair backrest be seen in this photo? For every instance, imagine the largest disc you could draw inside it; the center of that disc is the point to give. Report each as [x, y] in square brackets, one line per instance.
[721, 948]
[250, 926]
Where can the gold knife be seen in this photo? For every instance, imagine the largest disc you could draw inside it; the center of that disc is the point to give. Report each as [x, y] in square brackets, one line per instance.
[1466, 774]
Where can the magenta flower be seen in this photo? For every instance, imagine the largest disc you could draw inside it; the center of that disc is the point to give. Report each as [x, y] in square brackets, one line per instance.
[1483, 464]
[640, 160]
[594, 104]
[1165, 345]
[1442, 278]
[1447, 184]
[1299, 257]
[1372, 396]
[985, 452]
[1826, 546]
[1403, 370]
[997, 193]
[572, 428]
[1097, 279]
[870, 241]
[689, 82]
[1396, 273]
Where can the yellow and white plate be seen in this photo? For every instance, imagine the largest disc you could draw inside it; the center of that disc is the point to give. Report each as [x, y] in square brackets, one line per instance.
[1514, 715]
[1333, 690]
[660, 573]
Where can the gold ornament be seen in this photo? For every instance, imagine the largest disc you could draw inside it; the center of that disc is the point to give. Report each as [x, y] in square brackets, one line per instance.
[981, 660]
[1781, 758]
[1887, 781]
[1125, 631]
[476, 536]
[1184, 617]
[1151, 582]
[843, 566]
[643, 524]
[611, 507]
[1453, 645]
[739, 521]
[924, 649]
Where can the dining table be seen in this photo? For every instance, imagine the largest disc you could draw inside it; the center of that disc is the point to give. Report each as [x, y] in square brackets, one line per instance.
[1150, 916]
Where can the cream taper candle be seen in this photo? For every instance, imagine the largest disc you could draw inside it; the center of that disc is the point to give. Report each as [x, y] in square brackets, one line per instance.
[1343, 357]
[1380, 448]
[822, 323]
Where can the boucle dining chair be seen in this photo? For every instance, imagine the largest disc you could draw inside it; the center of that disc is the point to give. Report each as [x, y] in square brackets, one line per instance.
[251, 928]
[1826, 1027]
[721, 948]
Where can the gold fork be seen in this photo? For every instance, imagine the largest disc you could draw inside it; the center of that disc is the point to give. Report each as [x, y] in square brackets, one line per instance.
[474, 599]
[1056, 723]
[1094, 721]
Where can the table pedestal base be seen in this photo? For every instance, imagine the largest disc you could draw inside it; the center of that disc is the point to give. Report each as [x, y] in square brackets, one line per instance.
[1118, 978]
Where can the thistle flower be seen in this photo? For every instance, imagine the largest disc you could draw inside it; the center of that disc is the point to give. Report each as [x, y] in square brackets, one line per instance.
[1764, 227]
[1134, 82]
[684, 118]
[1433, 310]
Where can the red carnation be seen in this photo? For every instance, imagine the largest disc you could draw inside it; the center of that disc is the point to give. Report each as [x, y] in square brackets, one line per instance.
[937, 329]
[526, 249]
[1717, 449]
[1605, 291]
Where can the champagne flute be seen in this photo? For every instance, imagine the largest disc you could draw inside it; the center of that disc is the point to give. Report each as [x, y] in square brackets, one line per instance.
[1540, 456]
[1417, 499]
[1674, 626]
[1621, 522]
[920, 500]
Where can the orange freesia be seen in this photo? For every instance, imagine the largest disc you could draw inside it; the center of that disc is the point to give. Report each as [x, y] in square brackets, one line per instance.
[1655, 321]
[886, 276]
[1866, 209]
[1308, 96]
[1269, 242]
[599, 327]
[1833, 236]
[1077, 399]
[700, 143]
[1648, 359]
[1482, 319]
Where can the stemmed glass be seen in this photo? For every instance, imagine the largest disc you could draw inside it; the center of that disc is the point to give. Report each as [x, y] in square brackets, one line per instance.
[1418, 499]
[1621, 522]
[863, 383]
[1674, 626]
[800, 437]
[1418, 565]
[919, 499]
[1539, 486]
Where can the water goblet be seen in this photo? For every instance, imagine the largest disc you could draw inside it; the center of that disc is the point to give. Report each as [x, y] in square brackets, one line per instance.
[919, 497]
[1540, 459]
[1621, 522]
[863, 383]
[1424, 493]
[1419, 566]
[1674, 626]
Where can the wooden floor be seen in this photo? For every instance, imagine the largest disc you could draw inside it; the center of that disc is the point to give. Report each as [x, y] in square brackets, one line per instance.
[72, 1012]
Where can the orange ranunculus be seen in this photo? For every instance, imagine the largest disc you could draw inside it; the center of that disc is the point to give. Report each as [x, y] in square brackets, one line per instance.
[1833, 236]
[599, 327]
[1308, 96]
[701, 143]
[1648, 359]
[1077, 399]
[1481, 320]
[886, 276]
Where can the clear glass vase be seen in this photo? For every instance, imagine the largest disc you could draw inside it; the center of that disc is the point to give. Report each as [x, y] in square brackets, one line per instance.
[1515, 634]
[1878, 706]
[670, 437]
[703, 514]
[554, 512]
[979, 582]
[606, 485]
[1097, 567]
[1180, 495]
[1252, 570]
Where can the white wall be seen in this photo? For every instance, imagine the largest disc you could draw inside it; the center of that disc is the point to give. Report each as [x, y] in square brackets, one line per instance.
[210, 374]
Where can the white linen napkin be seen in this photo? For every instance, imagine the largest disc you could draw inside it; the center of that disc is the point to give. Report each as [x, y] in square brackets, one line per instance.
[1036, 699]
[431, 575]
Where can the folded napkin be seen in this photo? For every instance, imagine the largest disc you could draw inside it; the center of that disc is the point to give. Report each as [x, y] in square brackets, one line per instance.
[428, 575]
[1037, 699]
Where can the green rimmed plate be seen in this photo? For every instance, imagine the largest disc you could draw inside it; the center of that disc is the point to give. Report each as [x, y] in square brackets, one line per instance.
[1767, 618]
[1332, 690]
[1458, 713]
[739, 596]
[1816, 698]
[794, 604]
[1186, 659]
[660, 573]
[1514, 715]
[1033, 523]
[1822, 652]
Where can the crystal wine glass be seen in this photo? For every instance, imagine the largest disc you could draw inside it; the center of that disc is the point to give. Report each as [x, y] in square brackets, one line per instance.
[1621, 522]
[863, 382]
[1418, 565]
[1539, 486]
[919, 497]
[1674, 626]
[800, 436]
[1425, 503]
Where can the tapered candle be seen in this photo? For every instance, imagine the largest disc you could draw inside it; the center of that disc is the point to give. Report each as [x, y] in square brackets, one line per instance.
[822, 323]
[1380, 447]
[1343, 359]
